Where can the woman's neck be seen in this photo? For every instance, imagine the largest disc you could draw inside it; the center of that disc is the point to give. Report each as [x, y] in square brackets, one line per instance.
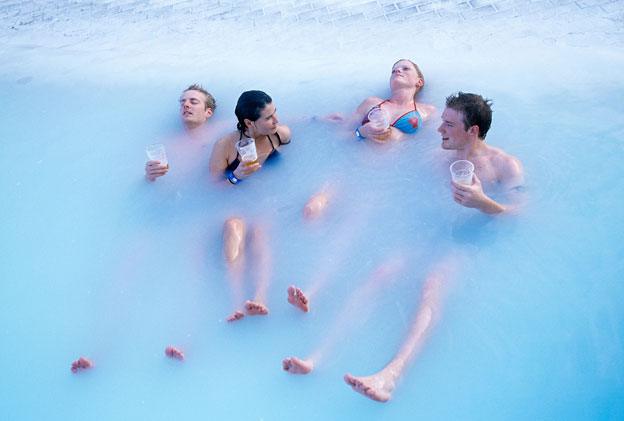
[248, 133]
[403, 96]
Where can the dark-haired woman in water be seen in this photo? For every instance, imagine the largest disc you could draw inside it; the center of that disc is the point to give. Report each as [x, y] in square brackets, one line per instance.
[257, 121]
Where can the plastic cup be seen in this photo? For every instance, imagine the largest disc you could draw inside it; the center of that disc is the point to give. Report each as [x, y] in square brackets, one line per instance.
[156, 152]
[462, 171]
[379, 118]
[247, 150]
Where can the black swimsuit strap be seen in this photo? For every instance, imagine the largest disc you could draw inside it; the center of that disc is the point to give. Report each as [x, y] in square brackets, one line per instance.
[271, 142]
[279, 139]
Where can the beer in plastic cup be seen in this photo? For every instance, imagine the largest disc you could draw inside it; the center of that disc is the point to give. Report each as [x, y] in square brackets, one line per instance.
[156, 152]
[462, 171]
[247, 149]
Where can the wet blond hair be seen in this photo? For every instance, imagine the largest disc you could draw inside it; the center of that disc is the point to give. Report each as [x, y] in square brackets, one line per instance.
[418, 72]
[210, 101]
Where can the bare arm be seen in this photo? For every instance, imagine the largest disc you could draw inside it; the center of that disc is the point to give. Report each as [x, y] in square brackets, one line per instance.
[219, 157]
[353, 120]
[513, 185]
[223, 153]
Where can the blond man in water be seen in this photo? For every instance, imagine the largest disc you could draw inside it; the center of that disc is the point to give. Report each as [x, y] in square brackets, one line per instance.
[197, 105]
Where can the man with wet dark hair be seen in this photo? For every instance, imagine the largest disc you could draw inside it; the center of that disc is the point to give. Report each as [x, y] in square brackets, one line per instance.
[465, 123]
[475, 109]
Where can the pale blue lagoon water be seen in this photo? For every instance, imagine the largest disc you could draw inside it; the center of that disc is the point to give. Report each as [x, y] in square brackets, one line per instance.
[95, 261]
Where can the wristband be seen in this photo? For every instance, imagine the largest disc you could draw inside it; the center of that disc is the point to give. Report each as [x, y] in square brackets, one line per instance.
[358, 134]
[232, 178]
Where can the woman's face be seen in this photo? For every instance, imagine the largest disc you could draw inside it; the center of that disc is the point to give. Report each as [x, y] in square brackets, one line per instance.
[404, 75]
[267, 122]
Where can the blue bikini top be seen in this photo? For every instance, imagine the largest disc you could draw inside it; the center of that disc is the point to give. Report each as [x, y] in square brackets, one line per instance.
[408, 123]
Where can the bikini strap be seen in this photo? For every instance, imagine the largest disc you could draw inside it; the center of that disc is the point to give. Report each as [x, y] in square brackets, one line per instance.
[271, 142]
[279, 139]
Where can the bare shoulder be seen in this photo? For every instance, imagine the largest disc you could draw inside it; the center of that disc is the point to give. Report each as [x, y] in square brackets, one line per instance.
[509, 168]
[221, 151]
[284, 133]
[227, 140]
[368, 103]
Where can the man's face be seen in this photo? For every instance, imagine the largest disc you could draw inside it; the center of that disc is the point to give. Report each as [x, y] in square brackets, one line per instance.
[267, 122]
[193, 108]
[454, 136]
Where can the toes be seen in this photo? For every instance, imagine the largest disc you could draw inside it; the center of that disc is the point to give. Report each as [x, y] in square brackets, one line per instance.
[235, 316]
[349, 380]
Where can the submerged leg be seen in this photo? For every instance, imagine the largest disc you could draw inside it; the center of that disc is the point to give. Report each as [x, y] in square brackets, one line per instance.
[380, 385]
[233, 251]
[233, 239]
[335, 254]
[316, 205]
[355, 310]
[262, 270]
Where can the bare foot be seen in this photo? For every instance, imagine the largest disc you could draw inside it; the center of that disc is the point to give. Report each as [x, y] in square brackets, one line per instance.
[295, 365]
[81, 363]
[233, 238]
[375, 387]
[173, 352]
[237, 315]
[297, 298]
[256, 309]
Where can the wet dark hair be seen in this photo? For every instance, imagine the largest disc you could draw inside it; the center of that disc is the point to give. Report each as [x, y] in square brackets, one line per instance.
[477, 110]
[249, 106]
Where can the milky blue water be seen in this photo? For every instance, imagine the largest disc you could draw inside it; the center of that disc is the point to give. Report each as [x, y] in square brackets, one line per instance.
[95, 261]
